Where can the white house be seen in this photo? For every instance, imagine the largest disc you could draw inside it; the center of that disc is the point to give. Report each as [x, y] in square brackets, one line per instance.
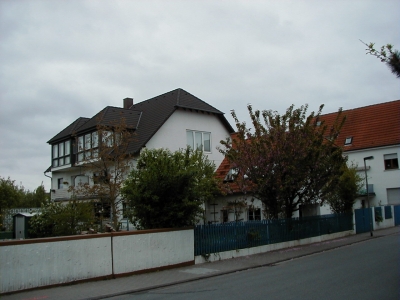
[371, 132]
[172, 120]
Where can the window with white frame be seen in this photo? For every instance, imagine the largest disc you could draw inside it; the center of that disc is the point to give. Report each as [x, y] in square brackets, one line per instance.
[391, 161]
[60, 183]
[348, 141]
[254, 214]
[200, 140]
[88, 146]
[61, 154]
[107, 138]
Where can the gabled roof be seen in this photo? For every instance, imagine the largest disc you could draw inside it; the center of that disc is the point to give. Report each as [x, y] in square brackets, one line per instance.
[145, 117]
[157, 110]
[110, 115]
[370, 126]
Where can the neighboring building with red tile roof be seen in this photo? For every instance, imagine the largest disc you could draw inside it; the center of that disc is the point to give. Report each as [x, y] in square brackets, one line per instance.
[369, 127]
[372, 130]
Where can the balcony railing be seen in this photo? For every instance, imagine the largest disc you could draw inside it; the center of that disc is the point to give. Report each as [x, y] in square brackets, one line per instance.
[363, 191]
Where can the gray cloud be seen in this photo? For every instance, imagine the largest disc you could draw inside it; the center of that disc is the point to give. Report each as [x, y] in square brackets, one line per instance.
[60, 60]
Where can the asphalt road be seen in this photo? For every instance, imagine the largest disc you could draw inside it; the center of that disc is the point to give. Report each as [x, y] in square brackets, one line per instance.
[367, 270]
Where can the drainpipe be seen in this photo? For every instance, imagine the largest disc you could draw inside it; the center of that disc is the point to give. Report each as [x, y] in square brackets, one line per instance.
[50, 181]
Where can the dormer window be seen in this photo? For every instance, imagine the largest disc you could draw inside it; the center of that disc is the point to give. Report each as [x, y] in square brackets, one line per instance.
[348, 141]
[61, 154]
[231, 175]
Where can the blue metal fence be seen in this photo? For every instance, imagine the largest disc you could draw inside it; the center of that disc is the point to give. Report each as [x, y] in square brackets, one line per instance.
[216, 238]
[388, 212]
[396, 209]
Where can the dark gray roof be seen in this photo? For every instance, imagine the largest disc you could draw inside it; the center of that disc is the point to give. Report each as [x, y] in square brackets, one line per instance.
[68, 131]
[145, 117]
[109, 116]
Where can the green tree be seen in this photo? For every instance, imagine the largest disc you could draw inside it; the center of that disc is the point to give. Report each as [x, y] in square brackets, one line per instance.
[168, 189]
[15, 196]
[10, 193]
[342, 198]
[10, 196]
[35, 198]
[387, 54]
[285, 160]
[57, 219]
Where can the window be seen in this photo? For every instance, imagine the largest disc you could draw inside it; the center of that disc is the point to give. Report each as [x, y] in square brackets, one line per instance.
[102, 210]
[125, 210]
[254, 214]
[107, 138]
[80, 180]
[391, 161]
[393, 196]
[100, 177]
[348, 140]
[231, 175]
[224, 214]
[88, 146]
[60, 184]
[61, 154]
[199, 140]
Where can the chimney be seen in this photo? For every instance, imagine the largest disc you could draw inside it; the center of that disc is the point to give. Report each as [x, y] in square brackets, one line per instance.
[128, 102]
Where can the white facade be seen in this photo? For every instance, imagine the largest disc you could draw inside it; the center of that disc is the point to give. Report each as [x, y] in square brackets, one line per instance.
[383, 180]
[385, 183]
[172, 135]
[229, 209]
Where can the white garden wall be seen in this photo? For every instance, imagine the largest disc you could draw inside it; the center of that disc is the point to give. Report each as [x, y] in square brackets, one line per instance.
[33, 263]
[386, 222]
[147, 250]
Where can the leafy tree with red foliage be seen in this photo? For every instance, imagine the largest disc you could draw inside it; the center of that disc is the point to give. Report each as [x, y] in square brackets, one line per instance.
[287, 160]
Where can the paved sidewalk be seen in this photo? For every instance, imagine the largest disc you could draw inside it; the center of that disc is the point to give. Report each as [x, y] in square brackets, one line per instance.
[107, 288]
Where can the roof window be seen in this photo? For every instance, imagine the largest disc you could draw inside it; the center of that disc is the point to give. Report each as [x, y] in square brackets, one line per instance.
[231, 175]
[348, 141]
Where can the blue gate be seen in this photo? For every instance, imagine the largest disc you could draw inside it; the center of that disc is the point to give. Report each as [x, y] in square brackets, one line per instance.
[396, 215]
[363, 218]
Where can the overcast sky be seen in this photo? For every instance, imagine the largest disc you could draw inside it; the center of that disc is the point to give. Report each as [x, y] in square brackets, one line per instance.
[60, 60]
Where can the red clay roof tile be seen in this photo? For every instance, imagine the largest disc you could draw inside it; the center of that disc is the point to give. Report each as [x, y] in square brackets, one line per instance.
[371, 126]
